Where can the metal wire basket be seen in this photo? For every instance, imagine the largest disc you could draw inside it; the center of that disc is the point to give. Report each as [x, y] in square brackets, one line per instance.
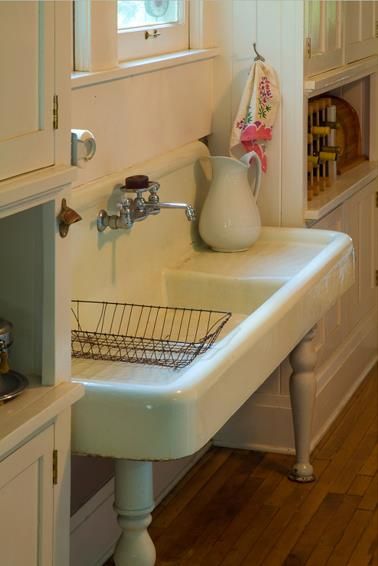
[163, 336]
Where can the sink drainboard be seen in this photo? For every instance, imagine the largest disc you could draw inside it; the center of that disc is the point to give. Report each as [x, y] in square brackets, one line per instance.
[144, 334]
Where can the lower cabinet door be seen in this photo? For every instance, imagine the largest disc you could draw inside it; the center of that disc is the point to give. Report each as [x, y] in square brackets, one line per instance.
[26, 503]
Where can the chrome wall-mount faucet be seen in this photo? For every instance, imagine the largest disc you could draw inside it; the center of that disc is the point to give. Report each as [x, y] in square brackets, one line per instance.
[138, 208]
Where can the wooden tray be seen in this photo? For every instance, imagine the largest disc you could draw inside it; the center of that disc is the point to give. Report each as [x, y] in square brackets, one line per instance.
[348, 135]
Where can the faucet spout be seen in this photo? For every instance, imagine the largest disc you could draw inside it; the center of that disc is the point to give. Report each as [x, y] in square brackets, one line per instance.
[189, 210]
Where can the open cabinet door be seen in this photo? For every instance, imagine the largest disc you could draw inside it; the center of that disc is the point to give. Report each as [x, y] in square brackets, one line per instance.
[26, 86]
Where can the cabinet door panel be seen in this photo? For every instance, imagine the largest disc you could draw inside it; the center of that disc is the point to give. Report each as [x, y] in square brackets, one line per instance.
[359, 224]
[26, 503]
[323, 21]
[360, 24]
[331, 328]
[27, 86]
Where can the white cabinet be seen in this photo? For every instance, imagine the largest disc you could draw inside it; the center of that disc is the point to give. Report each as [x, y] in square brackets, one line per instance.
[331, 329]
[26, 493]
[356, 217]
[323, 35]
[35, 435]
[34, 77]
[359, 223]
[361, 35]
[338, 32]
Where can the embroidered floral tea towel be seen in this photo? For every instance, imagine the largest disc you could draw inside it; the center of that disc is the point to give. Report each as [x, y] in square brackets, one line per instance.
[256, 114]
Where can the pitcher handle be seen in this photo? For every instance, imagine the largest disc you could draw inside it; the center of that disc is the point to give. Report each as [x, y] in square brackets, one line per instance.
[246, 159]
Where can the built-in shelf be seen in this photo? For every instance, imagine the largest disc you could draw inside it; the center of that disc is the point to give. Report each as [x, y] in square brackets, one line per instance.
[318, 84]
[344, 187]
[32, 189]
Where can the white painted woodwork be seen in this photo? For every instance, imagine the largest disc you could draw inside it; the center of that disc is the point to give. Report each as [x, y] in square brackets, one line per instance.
[95, 35]
[359, 223]
[35, 294]
[143, 126]
[302, 396]
[31, 427]
[134, 504]
[26, 501]
[340, 76]
[323, 26]
[26, 97]
[62, 443]
[361, 40]
[34, 65]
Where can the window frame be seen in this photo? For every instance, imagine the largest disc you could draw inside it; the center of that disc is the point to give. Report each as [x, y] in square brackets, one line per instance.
[171, 37]
[96, 36]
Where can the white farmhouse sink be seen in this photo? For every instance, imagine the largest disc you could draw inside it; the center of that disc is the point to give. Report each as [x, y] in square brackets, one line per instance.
[277, 290]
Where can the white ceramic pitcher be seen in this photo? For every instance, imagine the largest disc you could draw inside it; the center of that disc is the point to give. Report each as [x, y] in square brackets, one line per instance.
[230, 220]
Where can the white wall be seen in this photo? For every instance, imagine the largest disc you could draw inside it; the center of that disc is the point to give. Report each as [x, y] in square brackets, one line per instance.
[140, 117]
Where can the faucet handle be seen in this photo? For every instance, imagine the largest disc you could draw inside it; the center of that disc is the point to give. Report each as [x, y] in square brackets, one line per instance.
[136, 183]
[139, 184]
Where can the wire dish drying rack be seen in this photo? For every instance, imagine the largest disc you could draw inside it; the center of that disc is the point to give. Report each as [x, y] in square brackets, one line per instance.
[154, 335]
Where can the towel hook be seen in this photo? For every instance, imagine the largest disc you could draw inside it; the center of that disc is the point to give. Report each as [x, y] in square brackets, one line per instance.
[258, 56]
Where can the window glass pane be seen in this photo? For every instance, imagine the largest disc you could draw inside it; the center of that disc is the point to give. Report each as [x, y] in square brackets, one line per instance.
[143, 13]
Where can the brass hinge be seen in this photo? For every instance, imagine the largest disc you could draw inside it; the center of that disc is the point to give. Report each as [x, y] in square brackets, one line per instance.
[376, 199]
[55, 467]
[376, 277]
[308, 47]
[55, 112]
[376, 28]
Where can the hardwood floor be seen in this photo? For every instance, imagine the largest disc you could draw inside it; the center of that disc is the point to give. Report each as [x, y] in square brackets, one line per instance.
[238, 508]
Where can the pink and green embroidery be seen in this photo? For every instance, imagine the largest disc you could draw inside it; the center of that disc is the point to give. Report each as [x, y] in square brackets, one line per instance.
[265, 95]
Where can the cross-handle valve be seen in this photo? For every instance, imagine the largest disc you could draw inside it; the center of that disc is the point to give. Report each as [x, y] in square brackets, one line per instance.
[138, 208]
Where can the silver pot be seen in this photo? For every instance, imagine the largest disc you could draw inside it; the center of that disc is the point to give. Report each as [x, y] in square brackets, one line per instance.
[6, 335]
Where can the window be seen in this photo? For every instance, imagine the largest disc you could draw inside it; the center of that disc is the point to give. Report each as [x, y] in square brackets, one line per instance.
[151, 27]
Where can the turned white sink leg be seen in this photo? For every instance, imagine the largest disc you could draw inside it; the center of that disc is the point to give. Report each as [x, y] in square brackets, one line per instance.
[302, 394]
[134, 503]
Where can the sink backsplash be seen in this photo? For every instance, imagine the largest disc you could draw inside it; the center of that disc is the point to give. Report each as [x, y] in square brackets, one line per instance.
[126, 265]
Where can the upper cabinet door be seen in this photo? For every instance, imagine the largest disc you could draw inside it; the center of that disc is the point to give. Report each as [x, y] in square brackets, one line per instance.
[361, 21]
[27, 86]
[323, 35]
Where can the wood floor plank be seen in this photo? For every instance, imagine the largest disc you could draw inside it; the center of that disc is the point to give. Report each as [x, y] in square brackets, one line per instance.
[367, 546]
[287, 507]
[360, 485]
[180, 497]
[352, 534]
[332, 534]
[352, 413]
[370, 467]
[253, 503]
[369, 501]
[223, 508]
[342, 483]
[191, 521]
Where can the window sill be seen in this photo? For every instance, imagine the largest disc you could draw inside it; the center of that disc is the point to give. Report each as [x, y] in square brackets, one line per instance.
[141, 66]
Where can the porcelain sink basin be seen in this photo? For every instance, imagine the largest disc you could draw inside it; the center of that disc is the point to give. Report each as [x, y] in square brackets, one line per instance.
[277, 291]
